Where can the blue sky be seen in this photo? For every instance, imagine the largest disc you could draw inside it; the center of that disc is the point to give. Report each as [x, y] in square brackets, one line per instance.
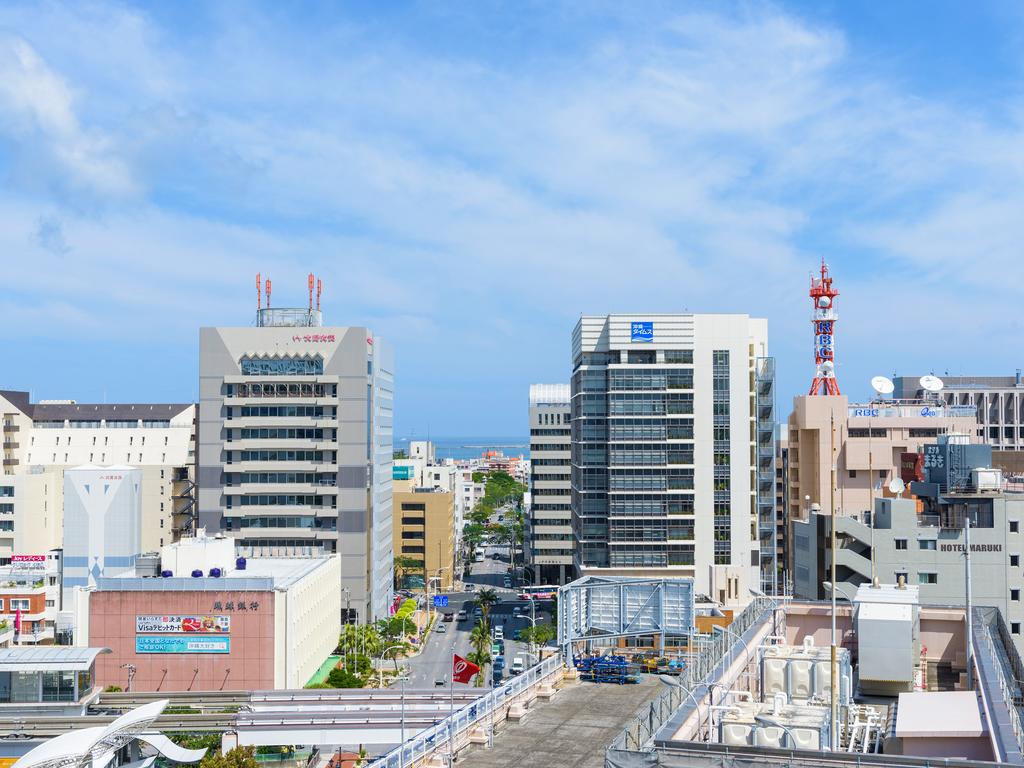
[468, 178]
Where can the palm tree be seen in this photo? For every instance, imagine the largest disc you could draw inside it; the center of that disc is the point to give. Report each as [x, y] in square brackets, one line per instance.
[480, 639]
[486, 598]
[481, 659]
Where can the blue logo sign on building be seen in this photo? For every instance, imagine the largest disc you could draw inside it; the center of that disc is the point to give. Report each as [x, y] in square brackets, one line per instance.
[180, 644]
[440, 601]
[642, 330]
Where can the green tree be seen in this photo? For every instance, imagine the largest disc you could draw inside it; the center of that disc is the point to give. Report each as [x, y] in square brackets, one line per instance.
[400, 454]
[486, 598]
[480, 640]
[538, 635]
[344, 678]
[239, 757]
[473, 535]
[481, 658]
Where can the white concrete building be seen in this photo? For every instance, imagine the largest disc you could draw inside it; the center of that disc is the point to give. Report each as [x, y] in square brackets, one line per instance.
[664, 445]
[295, 444]
[42, 440]
[102, 523]
[550, 544]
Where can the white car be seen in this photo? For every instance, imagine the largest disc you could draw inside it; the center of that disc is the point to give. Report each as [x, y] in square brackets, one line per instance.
[499, 633]
[517, 666]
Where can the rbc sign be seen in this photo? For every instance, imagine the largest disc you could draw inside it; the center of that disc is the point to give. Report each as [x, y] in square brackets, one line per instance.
[642, 331]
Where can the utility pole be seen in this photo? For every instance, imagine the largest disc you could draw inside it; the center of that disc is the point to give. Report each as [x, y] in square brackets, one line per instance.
[967, 616]
[834, 729]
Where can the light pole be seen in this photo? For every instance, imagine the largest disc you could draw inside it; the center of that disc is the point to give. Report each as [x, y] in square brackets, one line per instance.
[834, 729]
[131, 676]
[380, 667]
[746, 650]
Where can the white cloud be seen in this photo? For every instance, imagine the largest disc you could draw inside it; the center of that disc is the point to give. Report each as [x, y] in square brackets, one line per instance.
[700, 161]
[37, 111]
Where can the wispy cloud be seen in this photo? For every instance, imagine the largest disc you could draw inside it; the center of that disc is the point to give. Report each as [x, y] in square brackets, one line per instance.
[471, 200]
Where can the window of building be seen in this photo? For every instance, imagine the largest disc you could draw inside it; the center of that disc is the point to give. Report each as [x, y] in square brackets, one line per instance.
[19, 604]
[927, 577]
[927, 544]
[1015, 627]
[853, 473]
[1014, 560]
[1014, 526]
[1015, 594]
[900, 543]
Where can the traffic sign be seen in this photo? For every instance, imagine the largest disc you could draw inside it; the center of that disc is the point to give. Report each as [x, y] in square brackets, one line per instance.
[440, 601]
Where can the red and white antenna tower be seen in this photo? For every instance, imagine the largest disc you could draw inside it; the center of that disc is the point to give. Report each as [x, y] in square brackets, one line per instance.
[259, 292]
[824, 318]
[310, 291]
[319, 290]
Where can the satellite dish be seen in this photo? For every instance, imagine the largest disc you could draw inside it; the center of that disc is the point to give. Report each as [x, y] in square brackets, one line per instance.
[897, 486]
[824, 302]
[882, 385]
[931, 383]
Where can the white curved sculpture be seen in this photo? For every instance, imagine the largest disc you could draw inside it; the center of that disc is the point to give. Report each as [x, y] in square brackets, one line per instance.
[95, 747]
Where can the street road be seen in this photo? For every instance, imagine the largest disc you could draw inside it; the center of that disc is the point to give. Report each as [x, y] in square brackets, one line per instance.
[434, 663]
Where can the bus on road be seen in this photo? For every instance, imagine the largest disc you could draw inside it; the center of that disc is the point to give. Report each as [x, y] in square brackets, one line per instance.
[546, 592]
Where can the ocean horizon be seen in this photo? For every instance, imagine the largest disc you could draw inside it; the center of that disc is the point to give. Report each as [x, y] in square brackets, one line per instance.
[470, 447]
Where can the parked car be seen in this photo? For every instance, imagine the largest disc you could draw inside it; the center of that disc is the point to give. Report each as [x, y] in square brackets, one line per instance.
[518, 666]
[499, 662]
[499, 633]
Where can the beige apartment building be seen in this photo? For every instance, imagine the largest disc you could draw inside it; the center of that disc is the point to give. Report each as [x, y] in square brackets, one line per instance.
[424, 530]
[42, 440]
[868, 441]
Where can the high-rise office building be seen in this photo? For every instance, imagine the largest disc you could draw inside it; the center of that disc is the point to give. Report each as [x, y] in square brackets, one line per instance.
[998, 403]
[295, 444]
[667, 433]
[550, 542]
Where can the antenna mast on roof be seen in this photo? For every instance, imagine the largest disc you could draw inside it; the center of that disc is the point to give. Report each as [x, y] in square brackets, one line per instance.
[259, 293]
[310, 281]
[824, 320]
[319, 290]
[268, 293]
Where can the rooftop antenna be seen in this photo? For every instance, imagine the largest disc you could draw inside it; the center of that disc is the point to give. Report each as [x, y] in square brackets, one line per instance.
[823, 321]
[882, 386]
[319, 290]
[268, 293]
[931, 384]
[259, 293]
[310, 291]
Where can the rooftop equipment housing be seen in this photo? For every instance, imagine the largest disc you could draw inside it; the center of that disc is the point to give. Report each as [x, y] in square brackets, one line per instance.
[802, 673]
[887, 618]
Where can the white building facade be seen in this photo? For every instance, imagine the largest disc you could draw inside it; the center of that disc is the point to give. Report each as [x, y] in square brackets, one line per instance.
[664, 440]
[295, 444]
[550, 544]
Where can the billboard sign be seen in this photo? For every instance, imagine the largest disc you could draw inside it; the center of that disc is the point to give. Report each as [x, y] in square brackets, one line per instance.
[440, 601]
[164, 644]
[642, 330]
[198, 625]
[28, 563]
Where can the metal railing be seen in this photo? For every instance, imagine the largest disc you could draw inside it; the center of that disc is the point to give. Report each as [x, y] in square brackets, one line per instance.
[456, 727]
[641, 731]
[993, 659]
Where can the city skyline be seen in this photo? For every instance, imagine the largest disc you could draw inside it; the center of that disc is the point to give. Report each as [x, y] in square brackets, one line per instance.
[469, 182]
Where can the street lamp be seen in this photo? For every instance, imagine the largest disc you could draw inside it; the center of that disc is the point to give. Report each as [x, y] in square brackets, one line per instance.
[834, 667]
[380, 667]
[131, 676]
[746, 650]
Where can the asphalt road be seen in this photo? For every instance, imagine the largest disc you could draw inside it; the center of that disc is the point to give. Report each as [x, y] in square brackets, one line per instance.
[434, 663]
